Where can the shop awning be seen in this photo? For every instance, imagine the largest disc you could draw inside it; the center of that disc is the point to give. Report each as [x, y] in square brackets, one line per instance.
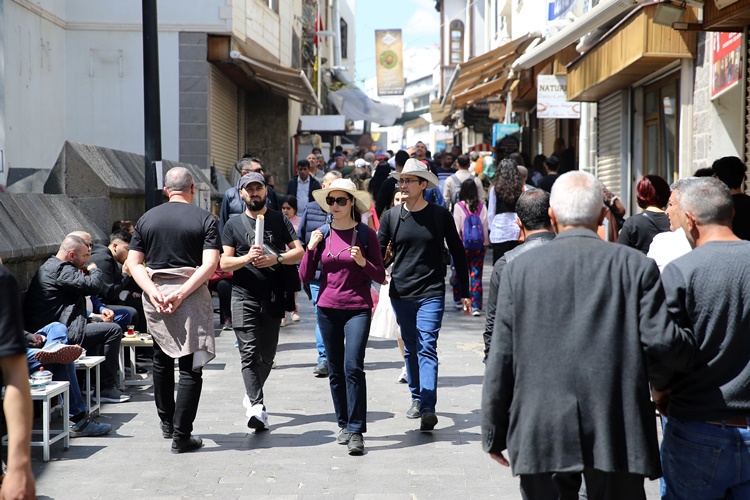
[484, 75]
[604, 12]
[253, 73]
[633, 49]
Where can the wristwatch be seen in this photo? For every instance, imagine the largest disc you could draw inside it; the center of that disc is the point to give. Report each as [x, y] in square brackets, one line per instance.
[280, 259]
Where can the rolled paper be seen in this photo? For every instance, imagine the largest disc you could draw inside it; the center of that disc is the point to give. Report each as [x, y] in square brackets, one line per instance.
[259, 223]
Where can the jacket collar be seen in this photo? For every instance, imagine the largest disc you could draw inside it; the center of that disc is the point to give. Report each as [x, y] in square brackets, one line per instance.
[578, 232]
[542, 235]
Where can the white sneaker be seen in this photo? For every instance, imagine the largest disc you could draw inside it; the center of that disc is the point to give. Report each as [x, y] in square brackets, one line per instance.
[283, 322]
[258, 418]
[403, 379]
[475, 312]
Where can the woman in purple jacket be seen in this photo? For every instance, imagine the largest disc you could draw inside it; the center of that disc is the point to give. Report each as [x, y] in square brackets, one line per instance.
[349, 254]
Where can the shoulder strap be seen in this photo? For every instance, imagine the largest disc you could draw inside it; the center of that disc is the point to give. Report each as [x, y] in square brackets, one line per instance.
[398, 222]
[463, 207]
[363, 234]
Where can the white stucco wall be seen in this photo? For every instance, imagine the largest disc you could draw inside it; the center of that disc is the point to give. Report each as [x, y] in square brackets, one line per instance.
[34, 88]
[104, 89]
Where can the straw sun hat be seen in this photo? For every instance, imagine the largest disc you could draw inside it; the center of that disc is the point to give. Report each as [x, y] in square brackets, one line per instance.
[361, 198]
[417, 169]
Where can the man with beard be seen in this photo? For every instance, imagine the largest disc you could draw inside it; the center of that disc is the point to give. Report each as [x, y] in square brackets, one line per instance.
[258, 288]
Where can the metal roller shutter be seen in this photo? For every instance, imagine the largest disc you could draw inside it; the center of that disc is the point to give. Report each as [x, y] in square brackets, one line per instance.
[609, 138]
[224, 123]
[549, 134]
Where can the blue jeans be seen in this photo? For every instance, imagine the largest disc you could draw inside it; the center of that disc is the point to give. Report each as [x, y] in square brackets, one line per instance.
[345, 334]
[314, 291]
[420, 322]
[57, 332]
[705, 461]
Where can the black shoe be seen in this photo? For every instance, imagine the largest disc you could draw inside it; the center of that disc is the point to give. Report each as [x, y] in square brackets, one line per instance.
[186, 445]
[343, 437]
[429, 421]
[167, 429]
[356, 444]
[414, 410]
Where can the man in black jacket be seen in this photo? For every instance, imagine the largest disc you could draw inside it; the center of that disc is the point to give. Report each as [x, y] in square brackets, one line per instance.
[58, 292]
[302, 186]
[536, 229]
[114, 293]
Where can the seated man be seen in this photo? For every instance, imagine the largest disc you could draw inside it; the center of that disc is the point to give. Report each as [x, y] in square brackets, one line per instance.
[62, 365]
[115, 294]
[57, 292]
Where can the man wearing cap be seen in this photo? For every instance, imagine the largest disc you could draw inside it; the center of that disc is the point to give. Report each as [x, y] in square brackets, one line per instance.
[232, 204]
[258, 288]
[415, 233]
[302, 186]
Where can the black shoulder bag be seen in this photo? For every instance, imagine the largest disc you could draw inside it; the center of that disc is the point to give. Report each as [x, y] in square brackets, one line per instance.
[390, 253]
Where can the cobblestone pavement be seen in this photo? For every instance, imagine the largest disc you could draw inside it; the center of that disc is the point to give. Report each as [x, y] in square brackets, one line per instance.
[299, 457]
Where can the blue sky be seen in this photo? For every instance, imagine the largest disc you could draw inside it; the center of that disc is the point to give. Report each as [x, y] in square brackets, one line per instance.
[418, 20]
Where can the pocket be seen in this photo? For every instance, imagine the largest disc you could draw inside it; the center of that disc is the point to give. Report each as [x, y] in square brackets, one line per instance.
[692, 465]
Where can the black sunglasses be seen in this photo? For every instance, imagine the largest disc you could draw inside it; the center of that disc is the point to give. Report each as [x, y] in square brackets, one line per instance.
[341, 201]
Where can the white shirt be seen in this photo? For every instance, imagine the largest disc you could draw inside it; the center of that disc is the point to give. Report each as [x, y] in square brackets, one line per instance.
[303, 190]
[666, 247]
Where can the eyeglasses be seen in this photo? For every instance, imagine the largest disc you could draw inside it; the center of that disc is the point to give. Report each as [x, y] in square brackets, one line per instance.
[408, 181]
[341, 201]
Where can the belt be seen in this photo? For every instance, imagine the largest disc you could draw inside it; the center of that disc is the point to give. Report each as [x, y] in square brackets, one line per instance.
[732, 422]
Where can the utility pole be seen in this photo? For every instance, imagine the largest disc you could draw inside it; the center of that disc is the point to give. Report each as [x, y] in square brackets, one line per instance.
[151, 102]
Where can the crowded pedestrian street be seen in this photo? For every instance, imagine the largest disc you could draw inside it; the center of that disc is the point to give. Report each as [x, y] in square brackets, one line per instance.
[298, 458]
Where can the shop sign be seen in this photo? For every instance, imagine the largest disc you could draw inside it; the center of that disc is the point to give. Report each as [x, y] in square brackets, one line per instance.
[389, 67]
[508, 135]
[552, 100]
[726, 64]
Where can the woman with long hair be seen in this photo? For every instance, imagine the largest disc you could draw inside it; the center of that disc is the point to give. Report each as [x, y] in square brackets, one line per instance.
[349, 255]
[468, 205]
[652, 196]
[501, 208]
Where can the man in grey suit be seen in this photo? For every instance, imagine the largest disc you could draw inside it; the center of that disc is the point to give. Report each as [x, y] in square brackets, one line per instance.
[532, 216]
[581, 327]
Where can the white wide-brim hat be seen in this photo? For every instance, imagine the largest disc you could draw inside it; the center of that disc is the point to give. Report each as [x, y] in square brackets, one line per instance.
[361, 198]
[417, 169]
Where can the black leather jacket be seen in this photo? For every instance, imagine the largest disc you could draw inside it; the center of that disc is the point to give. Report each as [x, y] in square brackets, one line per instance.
[58, 292]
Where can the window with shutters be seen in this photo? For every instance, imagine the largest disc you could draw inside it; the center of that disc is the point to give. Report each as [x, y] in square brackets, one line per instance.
[457, 42]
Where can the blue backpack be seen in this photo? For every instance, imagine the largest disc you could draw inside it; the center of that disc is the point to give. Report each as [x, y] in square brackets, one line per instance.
[473, 232]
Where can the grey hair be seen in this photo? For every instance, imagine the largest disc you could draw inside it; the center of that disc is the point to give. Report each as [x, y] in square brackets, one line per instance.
[86, 237]
[523, 172]
[577, 199]
[245, 164]
[677, 185]
[178, 180]
[333, 175]
[71, 243]
[708, 200]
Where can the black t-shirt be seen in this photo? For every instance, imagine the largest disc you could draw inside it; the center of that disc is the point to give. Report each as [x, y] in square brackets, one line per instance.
[418, 269]
[639, 230]
[547, 182]
[249, 281]
[741, 221]
[12, 341]
[174, 235]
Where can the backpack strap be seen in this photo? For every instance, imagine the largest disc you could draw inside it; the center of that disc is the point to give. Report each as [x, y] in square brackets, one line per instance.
[463, 207]
[362, 233]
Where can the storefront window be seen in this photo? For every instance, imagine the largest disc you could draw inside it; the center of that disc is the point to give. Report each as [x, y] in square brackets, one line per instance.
[660, 128]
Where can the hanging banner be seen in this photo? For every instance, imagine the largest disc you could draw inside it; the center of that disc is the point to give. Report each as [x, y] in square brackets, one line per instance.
[725, 61]
[389, 62]
[552, 100]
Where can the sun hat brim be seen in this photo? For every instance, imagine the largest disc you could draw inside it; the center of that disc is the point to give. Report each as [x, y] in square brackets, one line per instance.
[432, 180]
[362, 199]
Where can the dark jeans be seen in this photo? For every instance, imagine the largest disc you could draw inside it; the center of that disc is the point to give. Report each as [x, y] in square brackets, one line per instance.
[345, 336]
[103, 339]
[180, 412]
[499, 249]
[223, 289]
[599, 485]
[257, 334]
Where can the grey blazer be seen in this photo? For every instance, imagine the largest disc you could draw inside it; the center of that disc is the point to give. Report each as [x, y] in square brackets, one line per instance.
[581, 327]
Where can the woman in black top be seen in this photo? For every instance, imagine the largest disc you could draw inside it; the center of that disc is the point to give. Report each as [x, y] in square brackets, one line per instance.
[638, 230]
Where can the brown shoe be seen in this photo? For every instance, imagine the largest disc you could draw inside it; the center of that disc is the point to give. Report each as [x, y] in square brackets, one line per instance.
[61, 355]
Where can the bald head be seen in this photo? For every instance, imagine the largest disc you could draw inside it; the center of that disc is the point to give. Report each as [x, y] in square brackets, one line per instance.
[86, 237]
[71, 243]
[178, 180]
